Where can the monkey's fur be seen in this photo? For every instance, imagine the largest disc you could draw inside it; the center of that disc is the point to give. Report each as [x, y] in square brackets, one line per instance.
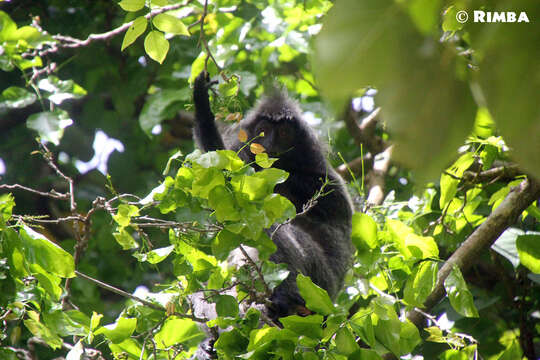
[317, 242]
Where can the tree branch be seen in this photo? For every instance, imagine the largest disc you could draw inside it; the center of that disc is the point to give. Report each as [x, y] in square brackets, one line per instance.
[507, 213]
[70, 42]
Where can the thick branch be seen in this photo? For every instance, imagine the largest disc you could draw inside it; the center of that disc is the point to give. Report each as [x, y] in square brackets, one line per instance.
[376, 184]
[364, 134]
[506, 214]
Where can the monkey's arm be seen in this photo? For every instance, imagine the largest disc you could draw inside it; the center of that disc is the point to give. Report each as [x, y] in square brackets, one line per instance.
[205, 130]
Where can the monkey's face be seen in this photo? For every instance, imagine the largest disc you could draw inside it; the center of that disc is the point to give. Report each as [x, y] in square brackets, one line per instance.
[276, 136]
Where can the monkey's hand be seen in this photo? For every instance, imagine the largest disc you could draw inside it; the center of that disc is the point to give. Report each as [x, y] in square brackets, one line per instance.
[201, 85]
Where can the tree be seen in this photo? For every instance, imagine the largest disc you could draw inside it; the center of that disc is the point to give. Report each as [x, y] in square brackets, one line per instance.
[111, 226]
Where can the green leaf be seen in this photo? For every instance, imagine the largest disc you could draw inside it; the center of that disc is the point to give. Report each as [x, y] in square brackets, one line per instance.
[156, 46]
[460, 297]
[484, 126]
[364, 231]
[362, 325]
[131, 5]
[222, 201]
[50, 124]
[505, 245]
[421, 283]
[450, 22]
[345, 342]
[426, 131]
[118, 331]
[264, 161]
[49, 282]
[365, 354]
[7, 27]
[125, 240]
[388, 333]
[512, 352]
[95, 320]
[310, 326]
[162, 105]
[128, 348]
[206, 180]
[15, 98]
[178, 331]
[170, 24]
[278, 208]
[409, 337]
[68, 323]
[158, 255]
[125, 213]
[274, 274]
[43, 252]
[425, 15]
[6, 207]
[231, 343]
[317, 299]
[258, 338]
[503, 90]
[60, 90]
[38, 329]
[224, 243]
[449, 183]
[528, 247]
[135, 30]
[226, 305]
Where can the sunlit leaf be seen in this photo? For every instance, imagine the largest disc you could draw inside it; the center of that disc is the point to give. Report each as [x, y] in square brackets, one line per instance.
[317, 299]
[118, 331]
[49, 256]
[135, 30]
[364, 231]
[528, 247]
[156, 46]
[178, 331]
[131, 5]
[460, 297]
[308, 326]
[50, 124]
[16, 97]
[37, 328]
[264, 161]
[170, 24]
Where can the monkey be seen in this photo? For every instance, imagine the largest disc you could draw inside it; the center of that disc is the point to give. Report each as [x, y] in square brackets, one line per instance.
[317, 242]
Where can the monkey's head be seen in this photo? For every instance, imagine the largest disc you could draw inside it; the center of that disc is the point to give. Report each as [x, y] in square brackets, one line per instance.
[276, 123]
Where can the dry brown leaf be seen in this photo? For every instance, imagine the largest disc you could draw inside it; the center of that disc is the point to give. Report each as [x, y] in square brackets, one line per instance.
[242, 135]
[256, 148]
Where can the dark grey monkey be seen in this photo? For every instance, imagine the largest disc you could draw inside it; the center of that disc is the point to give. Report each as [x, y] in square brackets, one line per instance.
[316, 243]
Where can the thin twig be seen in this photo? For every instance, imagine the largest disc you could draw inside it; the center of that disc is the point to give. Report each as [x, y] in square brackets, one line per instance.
[71, 42]
[257, 269]
[51, 194]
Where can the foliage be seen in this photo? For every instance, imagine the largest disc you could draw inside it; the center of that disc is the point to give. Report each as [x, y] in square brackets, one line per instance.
[75, 229]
